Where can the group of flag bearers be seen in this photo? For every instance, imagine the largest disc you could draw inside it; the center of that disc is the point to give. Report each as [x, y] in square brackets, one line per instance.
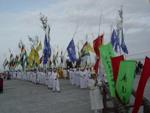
[48, 78]
[79, 77]
[84, 78]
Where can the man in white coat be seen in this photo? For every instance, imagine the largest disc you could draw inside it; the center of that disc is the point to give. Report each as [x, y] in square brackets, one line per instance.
[50, 80]
[71, 72]
[95, 95]
[56, 85]
[84, 79]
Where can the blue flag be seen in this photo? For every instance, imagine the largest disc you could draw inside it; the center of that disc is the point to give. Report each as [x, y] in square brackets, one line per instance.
[115, 41]
[123, 46]
[117, 44]
[46, 51]
[113, 37]
[71, 51]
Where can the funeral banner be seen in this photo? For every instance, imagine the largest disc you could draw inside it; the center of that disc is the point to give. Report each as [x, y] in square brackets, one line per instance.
[125, 79]
[106, 54]
[142, 83]
[115, 62]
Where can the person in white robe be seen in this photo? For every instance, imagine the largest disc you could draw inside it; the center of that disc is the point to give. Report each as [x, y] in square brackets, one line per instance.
[78, 72]
[28, 76]
[65, 74]
[71, 72]
[14, 74]
[38, 76]
[95, 95]
[50, 79]
[34, 77]
[83, 79]
[56, 85]
[43, 78]
[46, 78]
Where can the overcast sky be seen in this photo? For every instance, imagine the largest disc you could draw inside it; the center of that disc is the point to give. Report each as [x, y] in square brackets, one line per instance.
[20, 18]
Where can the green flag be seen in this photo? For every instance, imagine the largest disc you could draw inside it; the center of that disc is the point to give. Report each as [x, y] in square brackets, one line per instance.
[125, 80]
[106, 54]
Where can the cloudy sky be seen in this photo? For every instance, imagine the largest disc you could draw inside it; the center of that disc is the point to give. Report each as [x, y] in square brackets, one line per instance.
[20, 18]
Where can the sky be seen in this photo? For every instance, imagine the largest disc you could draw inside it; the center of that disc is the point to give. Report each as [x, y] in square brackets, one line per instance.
[20, 18]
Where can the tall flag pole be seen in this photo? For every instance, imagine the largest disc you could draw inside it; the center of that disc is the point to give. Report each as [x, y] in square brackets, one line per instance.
[23, 55]
[123, 45]
[117, 37]
[47, 47]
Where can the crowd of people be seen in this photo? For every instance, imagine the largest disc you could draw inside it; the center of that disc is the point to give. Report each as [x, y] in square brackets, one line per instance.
[84, 78]
[49, 78]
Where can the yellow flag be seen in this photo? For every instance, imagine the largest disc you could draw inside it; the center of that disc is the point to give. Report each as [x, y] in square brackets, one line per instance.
[89, 48]
[39, 47]
[36, 57]
[31, 57]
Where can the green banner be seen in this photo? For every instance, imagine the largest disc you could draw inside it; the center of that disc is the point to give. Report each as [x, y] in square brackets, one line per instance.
[106, 52]
[125, 79]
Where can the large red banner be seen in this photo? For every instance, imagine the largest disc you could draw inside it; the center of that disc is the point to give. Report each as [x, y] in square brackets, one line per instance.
[141, 86]
[115, 62]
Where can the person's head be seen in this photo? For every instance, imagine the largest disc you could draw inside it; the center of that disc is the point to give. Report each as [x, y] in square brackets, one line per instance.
[93, 75]
[54, 70]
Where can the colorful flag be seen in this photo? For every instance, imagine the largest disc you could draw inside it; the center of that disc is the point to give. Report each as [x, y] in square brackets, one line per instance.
[96, 66]
[23, 57]
[71, 51]
[5, 63]
[113, 38]
[39, 47]
[141, 86]
[125, 79]
[36, 58]
[62, 57]
[86, 49]
[115, 41]
[115, 62]
[17, 62]
[96, 45]
[46, 51]
[31, 58]
[123, 45]
[107, 52]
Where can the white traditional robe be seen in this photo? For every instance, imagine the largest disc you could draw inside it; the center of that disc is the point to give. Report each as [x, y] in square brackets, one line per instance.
[56, 85]
[43, 79]
[14, 75]
[33, 74]
[65, 74]
[28, 76]
[23, 75]
[38, 76]
[84, 79]
[46, 78]
[71, 76]
[18, 75]
[77, 78]
[50, 80]
[95, 96]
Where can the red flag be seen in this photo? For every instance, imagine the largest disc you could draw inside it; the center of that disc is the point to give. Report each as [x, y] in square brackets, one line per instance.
[142, 83]
[96, 44]
[96, 66]
[115, 62]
